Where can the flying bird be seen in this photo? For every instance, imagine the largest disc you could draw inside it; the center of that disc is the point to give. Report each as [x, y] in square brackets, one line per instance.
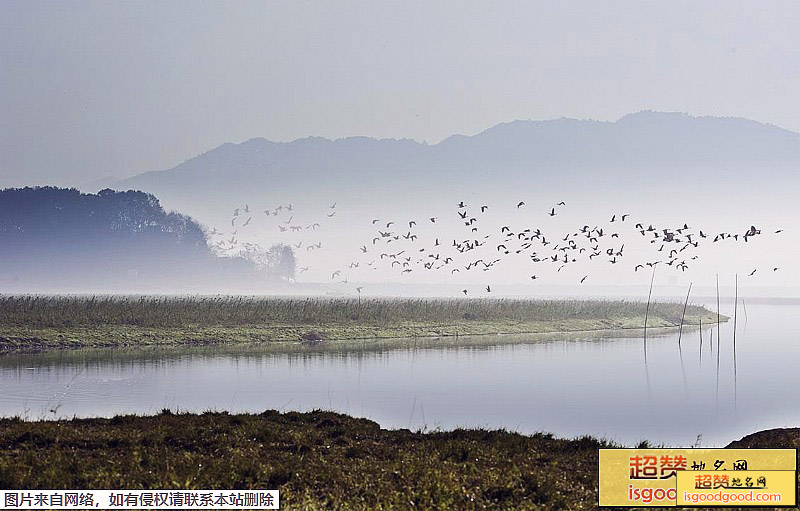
[520, 204]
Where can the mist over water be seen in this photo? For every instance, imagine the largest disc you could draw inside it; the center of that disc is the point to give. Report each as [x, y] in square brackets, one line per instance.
[570, 386]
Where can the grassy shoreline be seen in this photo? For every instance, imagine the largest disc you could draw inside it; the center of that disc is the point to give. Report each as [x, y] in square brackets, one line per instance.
[317, 459]
[42, 323]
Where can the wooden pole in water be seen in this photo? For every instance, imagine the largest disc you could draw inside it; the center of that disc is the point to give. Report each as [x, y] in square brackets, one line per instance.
[647, 312]
[680, 330]
[744, 309]
[711, 339]
[701, 340]
[716, 394]
[718, 316]
[735, 308]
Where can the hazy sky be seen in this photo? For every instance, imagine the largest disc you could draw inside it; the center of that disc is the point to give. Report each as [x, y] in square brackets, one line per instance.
[92, 89]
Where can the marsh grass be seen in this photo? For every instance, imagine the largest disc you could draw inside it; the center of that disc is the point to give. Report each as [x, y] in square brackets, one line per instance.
[46, 322]
[319, 460]
[157, 311]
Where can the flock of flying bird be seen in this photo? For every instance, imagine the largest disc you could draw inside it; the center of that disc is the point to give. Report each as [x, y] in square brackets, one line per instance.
[477, 246]
[284, 220]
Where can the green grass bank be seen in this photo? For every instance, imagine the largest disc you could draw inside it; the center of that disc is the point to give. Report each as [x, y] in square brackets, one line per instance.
[52, 322]
[319, 460]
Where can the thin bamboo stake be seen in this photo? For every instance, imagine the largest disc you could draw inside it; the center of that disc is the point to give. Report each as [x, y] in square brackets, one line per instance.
[716, 391]
[744, 309]
[680, 330]
[647, 312]
[701, 340]
[735, 308]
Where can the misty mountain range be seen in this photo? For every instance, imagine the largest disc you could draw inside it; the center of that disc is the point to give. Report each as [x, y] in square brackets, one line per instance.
[638, 150]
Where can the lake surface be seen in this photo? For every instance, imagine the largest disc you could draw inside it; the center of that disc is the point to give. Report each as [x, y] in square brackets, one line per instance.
[597, 386]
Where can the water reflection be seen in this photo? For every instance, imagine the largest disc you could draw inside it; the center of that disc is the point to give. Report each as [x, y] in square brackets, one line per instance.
[569, 385]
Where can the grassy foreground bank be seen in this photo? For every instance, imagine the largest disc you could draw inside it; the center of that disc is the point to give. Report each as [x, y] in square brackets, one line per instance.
[42, 322]
[319, 460]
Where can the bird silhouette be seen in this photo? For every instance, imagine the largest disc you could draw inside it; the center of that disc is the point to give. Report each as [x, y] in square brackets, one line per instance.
[520, 204]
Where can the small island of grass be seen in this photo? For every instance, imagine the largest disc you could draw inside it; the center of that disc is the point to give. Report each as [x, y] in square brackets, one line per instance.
[52, 322]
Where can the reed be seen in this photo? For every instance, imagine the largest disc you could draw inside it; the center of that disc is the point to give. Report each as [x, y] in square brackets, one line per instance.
[178, 311]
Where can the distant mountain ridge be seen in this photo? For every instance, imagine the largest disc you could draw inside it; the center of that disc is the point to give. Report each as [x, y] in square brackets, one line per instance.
[560, 152]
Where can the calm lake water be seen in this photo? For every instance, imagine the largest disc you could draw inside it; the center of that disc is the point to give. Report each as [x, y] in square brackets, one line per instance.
[597, 386]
